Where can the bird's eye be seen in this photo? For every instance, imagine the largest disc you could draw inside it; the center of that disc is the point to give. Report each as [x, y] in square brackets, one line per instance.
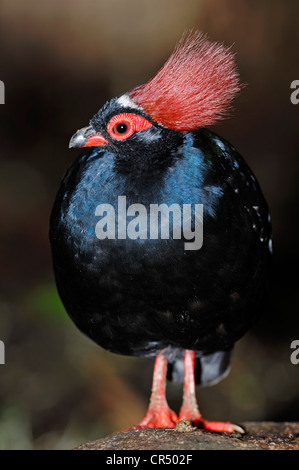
[122, 126]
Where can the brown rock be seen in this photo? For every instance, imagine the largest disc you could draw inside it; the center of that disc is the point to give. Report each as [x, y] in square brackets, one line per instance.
[258, 436]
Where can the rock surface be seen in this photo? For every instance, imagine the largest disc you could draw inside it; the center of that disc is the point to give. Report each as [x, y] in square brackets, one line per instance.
[258, 436]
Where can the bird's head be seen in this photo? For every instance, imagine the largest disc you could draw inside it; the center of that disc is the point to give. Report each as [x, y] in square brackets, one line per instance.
[125, 129]
[192, 90]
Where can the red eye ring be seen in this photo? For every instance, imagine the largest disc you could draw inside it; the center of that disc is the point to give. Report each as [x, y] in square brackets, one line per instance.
[123, 125]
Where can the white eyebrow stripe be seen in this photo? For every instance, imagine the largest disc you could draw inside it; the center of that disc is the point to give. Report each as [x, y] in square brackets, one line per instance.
[126, 101]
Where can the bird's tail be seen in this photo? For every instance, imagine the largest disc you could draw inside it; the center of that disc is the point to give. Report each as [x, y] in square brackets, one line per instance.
[210, 368]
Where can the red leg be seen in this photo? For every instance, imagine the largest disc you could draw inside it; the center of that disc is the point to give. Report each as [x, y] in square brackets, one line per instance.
[189, 409]
[158, 415]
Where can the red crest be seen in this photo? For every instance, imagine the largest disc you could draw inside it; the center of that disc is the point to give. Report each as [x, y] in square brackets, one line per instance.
[195, 86]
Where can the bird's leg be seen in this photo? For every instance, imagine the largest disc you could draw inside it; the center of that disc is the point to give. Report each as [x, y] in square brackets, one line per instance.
[158, 415]
[189, 409]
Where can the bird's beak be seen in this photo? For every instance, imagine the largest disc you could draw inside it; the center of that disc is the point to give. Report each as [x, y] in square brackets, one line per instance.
[87, 137]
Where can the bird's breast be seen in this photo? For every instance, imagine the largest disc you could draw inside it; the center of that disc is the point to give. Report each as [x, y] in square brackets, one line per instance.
[161, 258]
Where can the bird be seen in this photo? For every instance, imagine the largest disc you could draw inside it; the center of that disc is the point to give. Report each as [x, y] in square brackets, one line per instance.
[160, 234]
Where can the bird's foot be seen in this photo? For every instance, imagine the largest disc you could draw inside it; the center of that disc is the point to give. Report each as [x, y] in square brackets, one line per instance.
[190, 414]
[158, 418]
[217, 426]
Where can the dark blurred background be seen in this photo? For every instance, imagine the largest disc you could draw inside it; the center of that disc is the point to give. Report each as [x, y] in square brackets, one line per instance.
[60, 61]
